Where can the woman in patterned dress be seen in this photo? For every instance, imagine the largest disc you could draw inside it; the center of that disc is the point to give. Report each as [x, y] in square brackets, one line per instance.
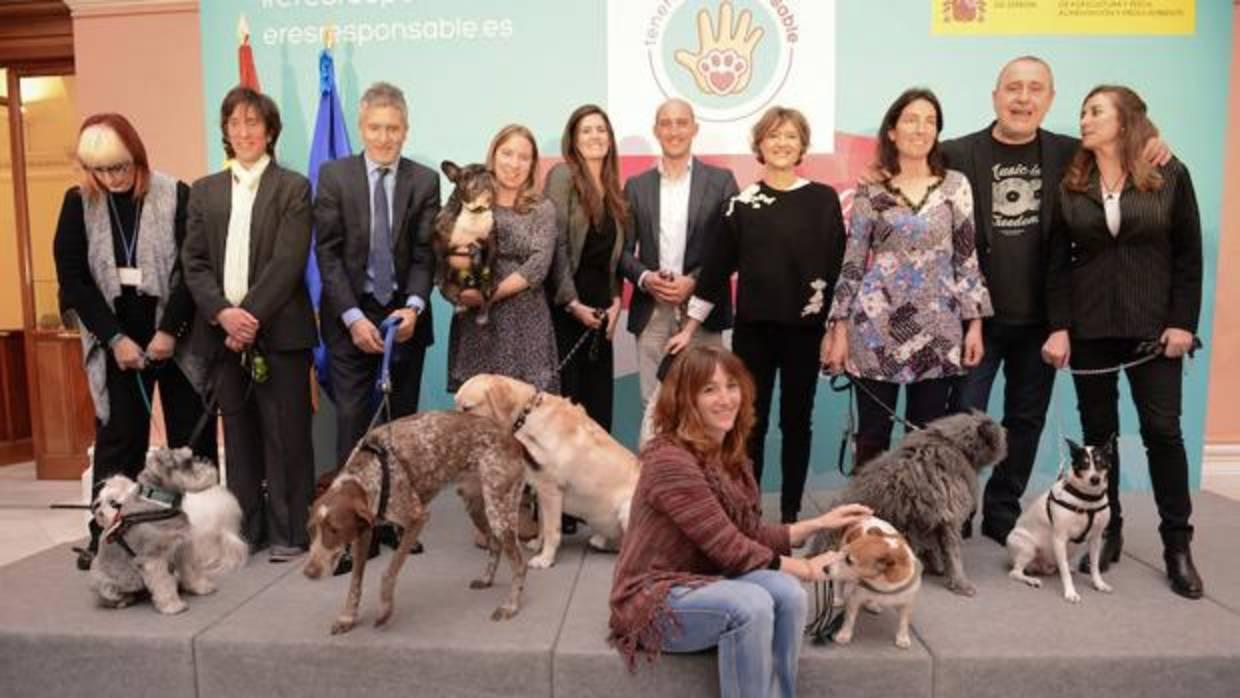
[518, 341]
[910, 298]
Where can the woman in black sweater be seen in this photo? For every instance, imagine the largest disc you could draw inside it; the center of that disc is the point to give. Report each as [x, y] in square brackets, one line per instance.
[784, 236]
[118, 267]
[1126, 271]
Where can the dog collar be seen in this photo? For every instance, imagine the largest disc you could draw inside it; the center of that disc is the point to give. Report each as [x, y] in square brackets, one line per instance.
[526, 410]
[1070, 489]
[385, 475]
[164, 498]
[902, 588]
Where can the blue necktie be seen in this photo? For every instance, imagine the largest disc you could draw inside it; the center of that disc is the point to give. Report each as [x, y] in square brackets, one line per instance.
[381, 266]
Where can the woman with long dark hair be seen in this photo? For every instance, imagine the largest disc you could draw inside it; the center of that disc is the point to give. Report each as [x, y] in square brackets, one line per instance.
[1126, 276]
[590, 215]
[117, 258]
[910, 300]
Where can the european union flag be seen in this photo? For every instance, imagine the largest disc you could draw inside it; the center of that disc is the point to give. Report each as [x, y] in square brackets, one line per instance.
[331, 141]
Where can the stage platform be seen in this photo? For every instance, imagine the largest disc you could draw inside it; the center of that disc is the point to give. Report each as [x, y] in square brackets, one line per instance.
[265, 633]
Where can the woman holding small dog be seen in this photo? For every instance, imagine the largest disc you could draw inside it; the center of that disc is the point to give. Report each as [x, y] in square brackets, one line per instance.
[1126, 280]
[519, 341]
[698, 567]
[590, 215]
[117, 262]
[910, 282]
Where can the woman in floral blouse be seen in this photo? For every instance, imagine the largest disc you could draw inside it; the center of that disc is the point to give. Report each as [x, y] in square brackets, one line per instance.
[910, 281]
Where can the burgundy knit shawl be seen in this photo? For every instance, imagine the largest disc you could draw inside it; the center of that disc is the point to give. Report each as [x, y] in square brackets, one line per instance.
[690, 523]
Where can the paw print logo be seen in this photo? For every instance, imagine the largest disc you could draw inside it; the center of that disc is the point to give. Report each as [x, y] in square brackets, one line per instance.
[723, 62]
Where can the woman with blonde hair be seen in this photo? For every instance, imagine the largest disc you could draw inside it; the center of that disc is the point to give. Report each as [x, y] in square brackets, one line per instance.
[1126, 276]
[519, 340]
[698, 567]
[118, 265]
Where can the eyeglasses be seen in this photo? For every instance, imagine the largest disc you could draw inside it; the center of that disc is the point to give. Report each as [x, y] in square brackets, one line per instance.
[119, 168]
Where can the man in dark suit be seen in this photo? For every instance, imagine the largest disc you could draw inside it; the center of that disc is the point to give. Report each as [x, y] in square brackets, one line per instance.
[244, 256]
[373, 216]
[1014, 168]
[675, 210]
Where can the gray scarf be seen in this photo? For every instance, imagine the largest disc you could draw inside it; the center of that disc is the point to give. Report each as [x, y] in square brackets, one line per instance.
[156, 254]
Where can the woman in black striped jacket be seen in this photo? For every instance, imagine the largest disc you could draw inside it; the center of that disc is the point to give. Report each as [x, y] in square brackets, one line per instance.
[1126, 270]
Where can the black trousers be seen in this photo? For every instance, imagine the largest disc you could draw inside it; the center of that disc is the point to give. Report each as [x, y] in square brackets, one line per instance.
[792, 351]
[267, 440]
[925, 401]
[121, 444]
[588, 378]
[1156, 391]
[1028, 384]
[354, 376]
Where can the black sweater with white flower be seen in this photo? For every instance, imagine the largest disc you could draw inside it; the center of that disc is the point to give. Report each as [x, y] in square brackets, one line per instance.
[786, 247]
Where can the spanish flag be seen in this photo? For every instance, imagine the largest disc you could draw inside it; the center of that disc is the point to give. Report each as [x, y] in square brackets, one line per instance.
[245, 57]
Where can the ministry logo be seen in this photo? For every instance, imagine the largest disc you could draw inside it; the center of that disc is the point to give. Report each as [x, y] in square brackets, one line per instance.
[730, 59]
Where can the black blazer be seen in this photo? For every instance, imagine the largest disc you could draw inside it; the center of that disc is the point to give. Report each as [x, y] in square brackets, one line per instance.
[342, 229]
[709, 190]
[1135, 284]
[279, 248]
[974, 156]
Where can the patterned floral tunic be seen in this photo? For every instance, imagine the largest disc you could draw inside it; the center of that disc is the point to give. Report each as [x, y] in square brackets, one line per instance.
[518, 341]
[910, 278]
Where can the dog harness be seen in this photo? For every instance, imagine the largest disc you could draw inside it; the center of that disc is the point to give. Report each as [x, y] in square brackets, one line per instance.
[116, 534]
[385, 475]
[1089, 513]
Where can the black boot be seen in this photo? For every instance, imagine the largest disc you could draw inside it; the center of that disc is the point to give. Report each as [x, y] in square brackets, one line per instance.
[1112, 546]
[1181, 571]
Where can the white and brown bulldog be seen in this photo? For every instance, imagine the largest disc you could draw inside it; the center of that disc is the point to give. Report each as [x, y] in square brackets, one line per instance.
[879, 570]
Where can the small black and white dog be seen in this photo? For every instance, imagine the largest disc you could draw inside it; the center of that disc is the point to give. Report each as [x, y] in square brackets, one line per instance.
[1075, 510]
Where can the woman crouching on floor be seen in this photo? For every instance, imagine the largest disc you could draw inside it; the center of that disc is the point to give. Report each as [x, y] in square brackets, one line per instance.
[698, 567]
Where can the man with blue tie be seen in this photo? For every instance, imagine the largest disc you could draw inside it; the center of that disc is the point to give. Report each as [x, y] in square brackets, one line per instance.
[373, 215]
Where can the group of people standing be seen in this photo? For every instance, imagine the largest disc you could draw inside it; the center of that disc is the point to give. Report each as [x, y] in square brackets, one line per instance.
[1010, 248]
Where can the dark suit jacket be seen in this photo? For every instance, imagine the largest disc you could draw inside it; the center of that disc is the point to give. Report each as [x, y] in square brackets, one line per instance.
[709, 189]
[973, 155]
[279, 248]
[572, 225]
[342, 228]
[1135, 284]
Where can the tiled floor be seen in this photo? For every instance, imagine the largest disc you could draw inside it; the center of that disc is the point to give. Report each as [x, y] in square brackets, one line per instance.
[28, 524]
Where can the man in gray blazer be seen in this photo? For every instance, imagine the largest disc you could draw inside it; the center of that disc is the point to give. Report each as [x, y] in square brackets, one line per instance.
[244, 258]
[675, 209]
[373, 216]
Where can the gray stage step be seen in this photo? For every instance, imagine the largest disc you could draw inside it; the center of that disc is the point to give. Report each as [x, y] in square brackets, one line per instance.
[266, 631]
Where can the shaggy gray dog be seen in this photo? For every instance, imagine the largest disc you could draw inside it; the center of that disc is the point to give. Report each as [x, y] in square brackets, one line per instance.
[197, 541]
[927, 488]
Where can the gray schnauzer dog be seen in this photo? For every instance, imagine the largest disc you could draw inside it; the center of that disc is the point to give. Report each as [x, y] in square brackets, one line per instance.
[927, 487]
[173, 528]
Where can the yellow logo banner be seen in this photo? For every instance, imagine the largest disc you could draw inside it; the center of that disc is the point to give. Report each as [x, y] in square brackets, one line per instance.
[993, 17]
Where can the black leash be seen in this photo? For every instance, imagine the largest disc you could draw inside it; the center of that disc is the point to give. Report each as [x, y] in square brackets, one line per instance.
[595, 332]
[826, 623]
[124, 522]
[843, 382]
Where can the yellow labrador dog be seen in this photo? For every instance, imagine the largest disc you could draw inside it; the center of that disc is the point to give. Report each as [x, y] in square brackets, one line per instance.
[577, 467]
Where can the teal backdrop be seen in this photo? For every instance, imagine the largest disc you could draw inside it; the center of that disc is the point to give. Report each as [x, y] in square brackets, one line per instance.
[469, 68]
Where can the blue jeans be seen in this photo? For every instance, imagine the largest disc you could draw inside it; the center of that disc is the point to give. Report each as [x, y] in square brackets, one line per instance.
[757, 620]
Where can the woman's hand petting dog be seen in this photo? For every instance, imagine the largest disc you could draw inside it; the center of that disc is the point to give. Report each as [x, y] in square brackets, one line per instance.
[841, 516]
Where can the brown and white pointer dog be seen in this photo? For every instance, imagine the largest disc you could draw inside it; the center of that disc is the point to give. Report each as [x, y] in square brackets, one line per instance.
[392, 476]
